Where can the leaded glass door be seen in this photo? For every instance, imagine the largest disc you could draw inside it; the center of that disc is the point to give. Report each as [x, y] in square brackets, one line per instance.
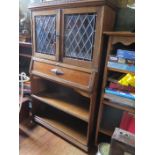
[46, 30]
[79, 31]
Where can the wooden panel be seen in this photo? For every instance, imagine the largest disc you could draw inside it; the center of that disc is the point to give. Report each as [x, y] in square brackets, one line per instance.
[66, 104]
[77, 78]
[123, 39]
[120, 33]
[120, 107]
[71, 3]
[109, 19]
[106, 132]
[65, 65]
[111, 118]
[119, 70]
[80, 10]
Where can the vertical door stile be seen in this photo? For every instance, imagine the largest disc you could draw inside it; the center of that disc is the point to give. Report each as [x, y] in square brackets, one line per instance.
[58, 34]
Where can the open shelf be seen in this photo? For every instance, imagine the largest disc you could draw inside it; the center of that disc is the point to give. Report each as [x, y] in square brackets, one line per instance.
[120, 70]
[120, 107]
[117, 99]
[110, 119]
[103, 138]
[61, 123]
[62, 98]
[25, 44]
[106, 132]
[70, 105]
[119, 102]
[63, 129]
[25, 55]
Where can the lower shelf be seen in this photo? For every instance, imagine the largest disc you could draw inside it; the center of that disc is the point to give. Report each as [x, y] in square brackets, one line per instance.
[106, 132]
[110, 119]
[120, 107]
[69, 128]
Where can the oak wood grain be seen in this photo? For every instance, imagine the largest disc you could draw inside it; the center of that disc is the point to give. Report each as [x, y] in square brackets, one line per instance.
[60, 101]
[70, 3]
[81, 76]
[69, 75]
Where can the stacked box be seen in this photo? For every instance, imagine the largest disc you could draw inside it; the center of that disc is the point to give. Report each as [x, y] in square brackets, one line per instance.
[122, 143]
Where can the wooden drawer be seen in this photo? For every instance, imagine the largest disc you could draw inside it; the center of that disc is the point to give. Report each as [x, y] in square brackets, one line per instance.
[67, 76]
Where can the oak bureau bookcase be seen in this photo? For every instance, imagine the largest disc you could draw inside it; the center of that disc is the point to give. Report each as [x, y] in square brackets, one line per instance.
[67, 40]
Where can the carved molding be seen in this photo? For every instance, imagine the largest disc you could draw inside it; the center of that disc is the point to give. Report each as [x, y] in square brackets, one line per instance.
[124, 40]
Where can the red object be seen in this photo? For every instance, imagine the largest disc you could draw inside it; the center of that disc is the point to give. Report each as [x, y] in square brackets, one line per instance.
[121, 88]
[128, 122]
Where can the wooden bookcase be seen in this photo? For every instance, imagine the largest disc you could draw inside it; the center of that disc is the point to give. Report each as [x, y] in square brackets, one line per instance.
[67, 42]
[110, 112]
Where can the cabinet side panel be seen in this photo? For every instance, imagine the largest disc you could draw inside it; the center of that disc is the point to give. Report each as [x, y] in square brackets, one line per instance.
[109, 19]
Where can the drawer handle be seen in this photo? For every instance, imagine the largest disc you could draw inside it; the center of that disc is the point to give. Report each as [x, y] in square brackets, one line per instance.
[57, 71]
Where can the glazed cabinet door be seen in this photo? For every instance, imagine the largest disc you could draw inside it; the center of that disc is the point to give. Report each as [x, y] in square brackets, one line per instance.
[79, 36]
[46, 34]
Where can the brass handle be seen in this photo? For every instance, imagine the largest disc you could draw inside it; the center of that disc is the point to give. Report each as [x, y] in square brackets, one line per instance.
[57, 71]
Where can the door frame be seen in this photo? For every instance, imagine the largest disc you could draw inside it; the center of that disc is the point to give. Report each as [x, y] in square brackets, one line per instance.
[72, 61]
[44, 13]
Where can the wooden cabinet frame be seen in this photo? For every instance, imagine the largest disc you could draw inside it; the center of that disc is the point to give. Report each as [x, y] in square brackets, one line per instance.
[60, 13]
[42, 13]
[105, 15]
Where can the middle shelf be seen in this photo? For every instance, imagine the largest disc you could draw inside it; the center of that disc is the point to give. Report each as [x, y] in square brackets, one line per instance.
[72, 106]
[62, 98]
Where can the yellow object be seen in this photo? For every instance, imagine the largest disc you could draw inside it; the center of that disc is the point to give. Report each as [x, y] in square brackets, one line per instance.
[127, 80]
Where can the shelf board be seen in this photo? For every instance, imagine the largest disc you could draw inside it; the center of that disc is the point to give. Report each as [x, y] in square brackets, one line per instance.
[25, 44]
[119, 100]
[120, 107]
[120, 70]
[66, 131]
[120, 33]
[106, 132]
[25, 55]
[59, 101]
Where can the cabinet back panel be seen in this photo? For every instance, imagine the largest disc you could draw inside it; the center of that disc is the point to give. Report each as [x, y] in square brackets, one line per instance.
[111, 118]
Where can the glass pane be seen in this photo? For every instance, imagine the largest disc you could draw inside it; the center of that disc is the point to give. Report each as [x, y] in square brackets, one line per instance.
[46, 34]
[79, 34]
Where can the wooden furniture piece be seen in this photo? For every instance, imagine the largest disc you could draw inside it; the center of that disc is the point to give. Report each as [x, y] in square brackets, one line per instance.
[25, 53]
[67, 50]
[122, 143]
[111, 109]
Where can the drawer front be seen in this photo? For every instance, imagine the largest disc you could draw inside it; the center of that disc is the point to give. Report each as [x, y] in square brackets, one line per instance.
[64, 75]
